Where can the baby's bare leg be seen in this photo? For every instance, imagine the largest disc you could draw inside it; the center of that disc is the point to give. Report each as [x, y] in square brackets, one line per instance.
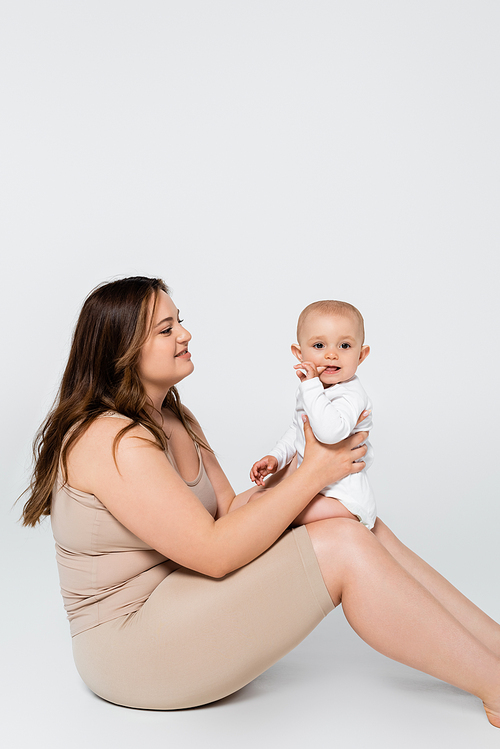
[323, 508]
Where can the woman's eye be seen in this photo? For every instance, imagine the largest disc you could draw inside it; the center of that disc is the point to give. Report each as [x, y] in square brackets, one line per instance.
[319, 345]
[167, 331]
[345, 345]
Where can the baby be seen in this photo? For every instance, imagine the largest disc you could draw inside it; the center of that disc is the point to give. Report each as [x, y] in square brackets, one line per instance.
[330, 348]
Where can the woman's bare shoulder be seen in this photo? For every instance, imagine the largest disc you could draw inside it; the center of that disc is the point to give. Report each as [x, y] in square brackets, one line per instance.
[107, 427]
[96, 448]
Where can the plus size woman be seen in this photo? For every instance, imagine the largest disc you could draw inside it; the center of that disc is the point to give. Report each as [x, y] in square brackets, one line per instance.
[179, 592]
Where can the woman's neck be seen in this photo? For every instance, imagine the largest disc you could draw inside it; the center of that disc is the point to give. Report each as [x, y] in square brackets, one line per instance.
[154, 406]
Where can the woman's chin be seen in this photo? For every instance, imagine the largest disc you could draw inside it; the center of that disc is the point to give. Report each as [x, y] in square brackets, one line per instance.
[189, 367]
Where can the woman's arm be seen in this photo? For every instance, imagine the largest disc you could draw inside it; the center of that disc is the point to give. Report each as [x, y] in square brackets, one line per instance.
[148, 497]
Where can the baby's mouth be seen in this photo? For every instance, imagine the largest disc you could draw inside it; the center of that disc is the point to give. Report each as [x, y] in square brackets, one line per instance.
[332, 369]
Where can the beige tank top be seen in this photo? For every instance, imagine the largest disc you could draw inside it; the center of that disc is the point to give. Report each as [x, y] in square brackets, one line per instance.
[105, 571]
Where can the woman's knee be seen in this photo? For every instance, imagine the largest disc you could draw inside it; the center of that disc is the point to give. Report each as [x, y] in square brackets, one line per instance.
[338, 531]
[336, 542]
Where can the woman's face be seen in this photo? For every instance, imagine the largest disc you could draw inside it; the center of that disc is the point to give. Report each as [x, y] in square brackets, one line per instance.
[165, 360]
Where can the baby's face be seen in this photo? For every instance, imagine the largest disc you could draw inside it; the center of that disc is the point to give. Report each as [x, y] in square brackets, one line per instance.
[334, 342]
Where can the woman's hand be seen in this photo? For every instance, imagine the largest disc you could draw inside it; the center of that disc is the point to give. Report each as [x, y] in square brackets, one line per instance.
[334, 462]
[364, 415]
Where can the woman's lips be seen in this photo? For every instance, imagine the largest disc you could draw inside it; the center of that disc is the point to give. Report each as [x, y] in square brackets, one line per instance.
[183, 355]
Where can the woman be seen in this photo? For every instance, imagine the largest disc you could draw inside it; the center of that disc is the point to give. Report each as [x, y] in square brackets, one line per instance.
[178, 592]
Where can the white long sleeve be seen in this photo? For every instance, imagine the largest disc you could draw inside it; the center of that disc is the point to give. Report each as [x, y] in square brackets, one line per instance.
[285, 449]
[333, 412]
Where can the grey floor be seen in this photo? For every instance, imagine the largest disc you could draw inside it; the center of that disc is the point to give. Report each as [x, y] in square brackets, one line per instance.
[332, 690]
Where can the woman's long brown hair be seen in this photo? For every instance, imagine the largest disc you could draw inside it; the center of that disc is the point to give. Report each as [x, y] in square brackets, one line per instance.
[101, 375]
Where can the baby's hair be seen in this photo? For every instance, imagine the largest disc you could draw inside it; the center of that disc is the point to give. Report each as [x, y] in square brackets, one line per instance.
[332, 307]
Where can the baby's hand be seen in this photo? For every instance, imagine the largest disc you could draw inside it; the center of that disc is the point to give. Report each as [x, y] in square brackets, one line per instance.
[263, 467]
[311, 370]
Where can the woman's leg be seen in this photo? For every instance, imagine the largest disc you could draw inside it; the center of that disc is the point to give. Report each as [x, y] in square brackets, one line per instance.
[197, 639]
[476, 621]
[398, 616]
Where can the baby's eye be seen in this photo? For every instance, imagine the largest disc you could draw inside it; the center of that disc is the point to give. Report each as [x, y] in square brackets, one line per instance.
[345, 345]
[318, 345]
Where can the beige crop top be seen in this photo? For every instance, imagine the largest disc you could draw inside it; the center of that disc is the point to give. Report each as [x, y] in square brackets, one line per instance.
[106, 571]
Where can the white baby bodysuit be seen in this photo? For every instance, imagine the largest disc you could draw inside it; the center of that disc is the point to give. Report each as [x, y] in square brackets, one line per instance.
[333, 413]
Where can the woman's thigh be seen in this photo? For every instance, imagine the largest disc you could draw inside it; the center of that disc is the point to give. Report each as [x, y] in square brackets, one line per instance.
[198, 639]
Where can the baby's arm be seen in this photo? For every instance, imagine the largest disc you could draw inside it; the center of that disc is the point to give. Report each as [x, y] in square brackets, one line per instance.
[332, 421]
[262, 468]
[281, 455]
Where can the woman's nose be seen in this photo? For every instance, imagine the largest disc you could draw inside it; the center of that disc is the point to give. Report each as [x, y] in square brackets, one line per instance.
[184, 335]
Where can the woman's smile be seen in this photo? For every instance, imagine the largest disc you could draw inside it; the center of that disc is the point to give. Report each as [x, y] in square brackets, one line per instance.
[168, 340]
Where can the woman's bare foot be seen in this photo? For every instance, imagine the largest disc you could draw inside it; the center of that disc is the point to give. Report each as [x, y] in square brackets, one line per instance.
[493, 716]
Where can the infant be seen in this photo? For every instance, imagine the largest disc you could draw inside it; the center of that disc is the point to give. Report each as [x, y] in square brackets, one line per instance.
[330, 348]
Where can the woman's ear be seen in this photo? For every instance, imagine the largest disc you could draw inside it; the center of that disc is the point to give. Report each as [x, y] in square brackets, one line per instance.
[365, 350]
[296, 351]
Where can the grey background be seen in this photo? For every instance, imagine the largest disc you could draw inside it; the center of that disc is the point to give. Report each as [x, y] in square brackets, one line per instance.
[259, 156]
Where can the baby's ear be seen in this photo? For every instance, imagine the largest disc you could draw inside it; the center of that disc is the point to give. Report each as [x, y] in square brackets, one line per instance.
[365, 350]
[296, 351]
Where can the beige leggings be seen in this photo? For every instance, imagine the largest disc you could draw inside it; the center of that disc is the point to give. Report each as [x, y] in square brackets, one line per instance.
[198, 639]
